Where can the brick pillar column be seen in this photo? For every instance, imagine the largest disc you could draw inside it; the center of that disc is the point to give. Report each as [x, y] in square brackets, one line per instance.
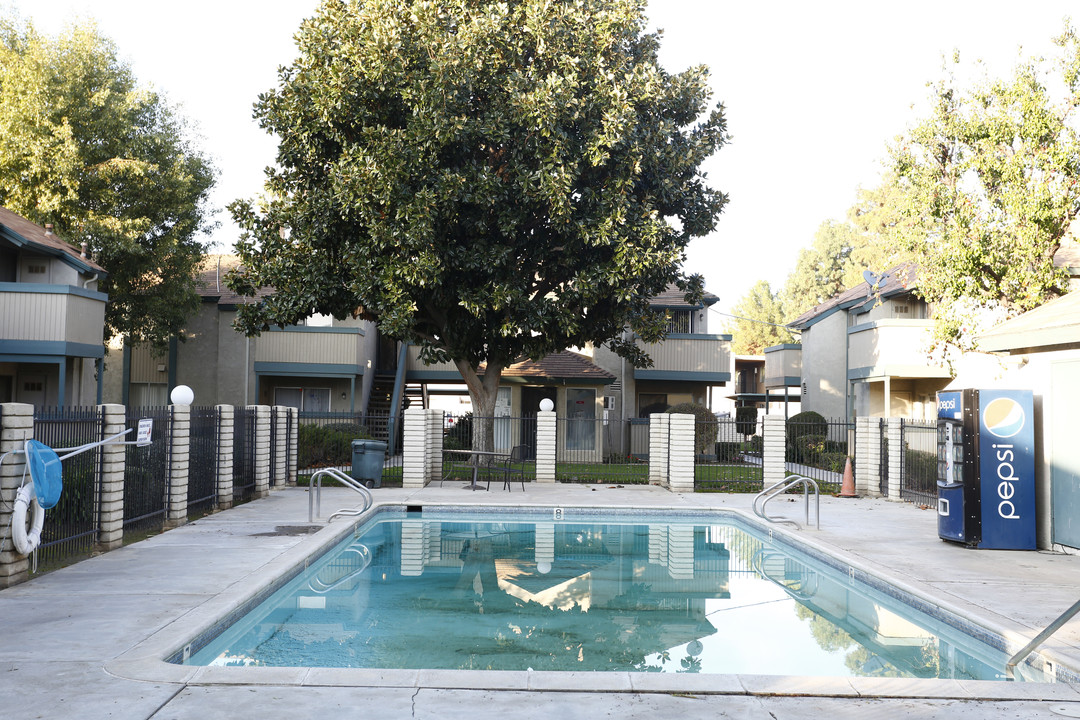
[681, 454]
[225, 431]
[16, 427]
[896, 455]
[867, 457]
[176, 513]
[414, 461]
[435, 420]
[293, 444]
[774, 455]
[659, 435]
[546, 441]
[113, 464]
[262, 450]
[279, 446]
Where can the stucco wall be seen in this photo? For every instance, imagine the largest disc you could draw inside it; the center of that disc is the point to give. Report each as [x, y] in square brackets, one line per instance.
[824, 368]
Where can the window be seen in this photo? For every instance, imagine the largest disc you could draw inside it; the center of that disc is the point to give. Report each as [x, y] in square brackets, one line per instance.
[289, 397]
[680, 321]
[649, 403]
[148, 394]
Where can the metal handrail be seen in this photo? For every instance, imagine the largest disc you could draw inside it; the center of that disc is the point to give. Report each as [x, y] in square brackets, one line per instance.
[365, 557]
[315, 493]
[1040, 639]
[783, 486]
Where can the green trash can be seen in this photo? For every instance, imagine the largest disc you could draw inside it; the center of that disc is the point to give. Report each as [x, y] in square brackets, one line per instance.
[367, 461]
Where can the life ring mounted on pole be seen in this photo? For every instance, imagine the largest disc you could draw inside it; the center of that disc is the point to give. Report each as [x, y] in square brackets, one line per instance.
[27, 541]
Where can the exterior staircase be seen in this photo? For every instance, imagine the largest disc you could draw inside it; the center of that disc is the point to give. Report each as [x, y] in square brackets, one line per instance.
[381, 404]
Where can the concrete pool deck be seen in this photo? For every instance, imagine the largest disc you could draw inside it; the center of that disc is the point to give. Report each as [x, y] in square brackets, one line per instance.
[86, 641]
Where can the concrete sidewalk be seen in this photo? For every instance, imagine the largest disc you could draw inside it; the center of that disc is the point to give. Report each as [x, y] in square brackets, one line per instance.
[85, 641]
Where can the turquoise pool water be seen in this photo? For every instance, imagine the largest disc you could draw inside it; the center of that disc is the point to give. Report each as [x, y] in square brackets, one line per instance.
[450, 591]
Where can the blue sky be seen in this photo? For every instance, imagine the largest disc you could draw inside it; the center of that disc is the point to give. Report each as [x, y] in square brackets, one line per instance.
[813, 91]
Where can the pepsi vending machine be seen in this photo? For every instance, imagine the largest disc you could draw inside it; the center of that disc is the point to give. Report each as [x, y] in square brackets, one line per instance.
[986, 468]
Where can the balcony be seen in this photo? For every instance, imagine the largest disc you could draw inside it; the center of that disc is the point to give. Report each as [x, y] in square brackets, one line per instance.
[688, 357]
[328, 349]
[51, 320]
[783, 366]
[437, 372]
[892, 348]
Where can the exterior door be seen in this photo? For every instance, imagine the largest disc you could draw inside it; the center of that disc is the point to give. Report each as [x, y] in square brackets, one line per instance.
[1064, 453]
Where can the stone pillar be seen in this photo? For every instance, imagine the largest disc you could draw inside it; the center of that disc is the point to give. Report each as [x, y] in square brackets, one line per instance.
[774, 454]
[414, 461]
[292, 443]
[113, 463]
[546, 442]
[176, 512]
[680, 551]
[867, 457]
[896, 455]
[262, 450]
[16, 427]
[659, 429]
[434, 443]
[279, 445]
[225, 430]
[681, 453]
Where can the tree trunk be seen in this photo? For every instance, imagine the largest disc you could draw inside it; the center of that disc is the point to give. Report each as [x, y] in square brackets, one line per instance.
[483, 391]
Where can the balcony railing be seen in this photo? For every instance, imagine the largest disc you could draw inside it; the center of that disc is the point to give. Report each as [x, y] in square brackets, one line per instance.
[334, 346]
[51, 313]
[688, 357]
[895, 348]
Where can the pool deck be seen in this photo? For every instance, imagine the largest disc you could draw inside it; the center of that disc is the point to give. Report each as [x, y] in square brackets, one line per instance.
[86, 641]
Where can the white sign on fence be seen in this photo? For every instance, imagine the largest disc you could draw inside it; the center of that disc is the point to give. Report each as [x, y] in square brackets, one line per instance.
[146, 429]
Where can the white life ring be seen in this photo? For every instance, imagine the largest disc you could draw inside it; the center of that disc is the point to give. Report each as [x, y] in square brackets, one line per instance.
[26, 541]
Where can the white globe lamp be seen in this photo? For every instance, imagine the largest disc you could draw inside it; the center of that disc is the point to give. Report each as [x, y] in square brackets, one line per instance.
[182, 395]
[546, 405]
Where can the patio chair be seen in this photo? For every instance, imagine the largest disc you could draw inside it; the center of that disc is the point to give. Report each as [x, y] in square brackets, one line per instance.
[514, 465]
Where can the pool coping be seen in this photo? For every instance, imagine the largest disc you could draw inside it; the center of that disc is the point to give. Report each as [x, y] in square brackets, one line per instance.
[147, 660]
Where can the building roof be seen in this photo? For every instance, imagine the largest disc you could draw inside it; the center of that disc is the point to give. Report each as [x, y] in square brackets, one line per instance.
[1055, 323]
[896, 281]
[23, 232]
[210, 283]
[563, 365]
[673, 297]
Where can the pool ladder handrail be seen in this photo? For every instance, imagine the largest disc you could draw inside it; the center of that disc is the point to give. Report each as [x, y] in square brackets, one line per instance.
[1039, 639]
[783, 486]
[365, 558]
[803, 589]
[315, 494]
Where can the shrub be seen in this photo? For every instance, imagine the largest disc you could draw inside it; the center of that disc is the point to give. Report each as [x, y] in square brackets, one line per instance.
[704, 425]
[323, 445]
[728, 451]
[459, 436]
[746, 420]
[805, 423]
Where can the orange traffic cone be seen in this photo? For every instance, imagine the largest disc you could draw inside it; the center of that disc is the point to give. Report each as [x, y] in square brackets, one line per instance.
[847, 489]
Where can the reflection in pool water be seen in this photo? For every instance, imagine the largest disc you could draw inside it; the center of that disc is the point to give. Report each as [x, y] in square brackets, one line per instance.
[598, 596]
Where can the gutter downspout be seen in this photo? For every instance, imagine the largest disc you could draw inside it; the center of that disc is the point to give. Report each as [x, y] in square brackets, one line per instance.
[395, 406]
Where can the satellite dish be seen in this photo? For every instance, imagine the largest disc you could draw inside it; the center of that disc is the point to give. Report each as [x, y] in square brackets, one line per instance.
[871, 278]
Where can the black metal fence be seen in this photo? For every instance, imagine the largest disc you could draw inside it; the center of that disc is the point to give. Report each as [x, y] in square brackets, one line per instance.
[506, 433]
[243, 453]
[203, 459]
[818, 448]
[324, 439]
[728, 456]
[146, 471]
[918, 477]
[595, 450]
[71, 526]
[883, 458]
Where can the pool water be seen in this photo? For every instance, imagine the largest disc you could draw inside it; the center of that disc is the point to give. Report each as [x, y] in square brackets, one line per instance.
[602, 595]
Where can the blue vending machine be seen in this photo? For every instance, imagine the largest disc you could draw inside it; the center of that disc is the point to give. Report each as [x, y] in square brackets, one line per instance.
[986, 468]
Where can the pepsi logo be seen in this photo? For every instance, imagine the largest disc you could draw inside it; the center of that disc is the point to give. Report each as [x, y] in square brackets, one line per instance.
[1003, 417]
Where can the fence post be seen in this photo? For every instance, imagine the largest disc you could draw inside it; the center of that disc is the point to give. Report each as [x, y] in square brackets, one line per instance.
[867, 457]
[435, 420]
[659, 436]
[262, 450]
[896, 455]
[113, 464]
[226, 416]
[414, 461]
[681, 453]
[16, 427]
[774, 450]
[546, 442]
[279, 446]
[293, 443]
[176, 512]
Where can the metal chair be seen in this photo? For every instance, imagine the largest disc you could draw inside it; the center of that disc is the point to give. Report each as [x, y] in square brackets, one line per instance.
[515, 465]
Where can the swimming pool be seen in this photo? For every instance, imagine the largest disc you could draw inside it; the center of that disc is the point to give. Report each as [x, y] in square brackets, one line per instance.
[450, 588]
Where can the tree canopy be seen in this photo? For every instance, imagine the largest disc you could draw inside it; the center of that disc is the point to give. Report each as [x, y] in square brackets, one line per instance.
[758, 323]
[489, 180]
[990, 181]
[108, 163]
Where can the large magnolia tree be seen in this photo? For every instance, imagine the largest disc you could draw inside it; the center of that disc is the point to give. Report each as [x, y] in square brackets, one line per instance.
[488, 180]
[108, 163]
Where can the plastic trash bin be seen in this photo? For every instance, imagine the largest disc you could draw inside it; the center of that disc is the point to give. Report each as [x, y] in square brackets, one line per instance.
[367, 461]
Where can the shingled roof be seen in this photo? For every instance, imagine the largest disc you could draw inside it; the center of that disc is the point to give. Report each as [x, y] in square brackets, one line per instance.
[22, 232]
[563, 365]
[673, 297]
[900, 279]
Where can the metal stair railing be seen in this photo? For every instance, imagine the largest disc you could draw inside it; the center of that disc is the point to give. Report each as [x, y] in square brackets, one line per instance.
[360, 550]
[1039, 639]
[762, 499]
[315, 494]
